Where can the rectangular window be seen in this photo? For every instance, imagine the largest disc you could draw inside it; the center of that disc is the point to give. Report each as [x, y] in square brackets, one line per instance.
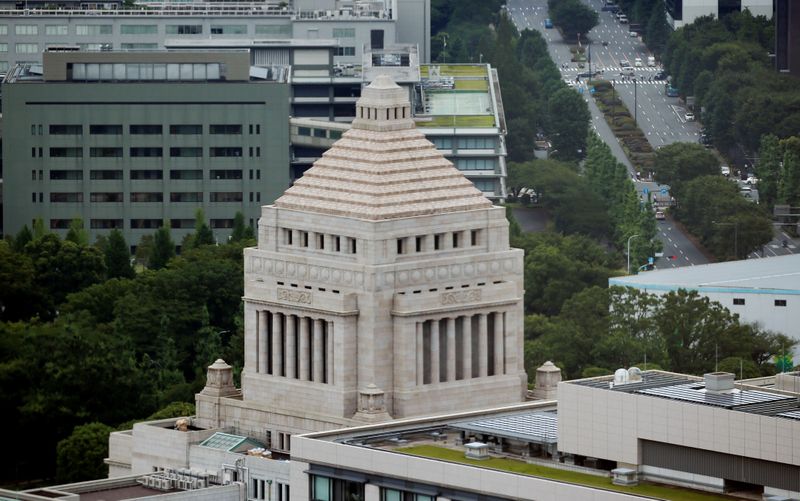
[138, 29]
[56, 30]
[304, 131]
[142, 174]
[105, 175]
[225, 196]
[319, 133]
[105, 152]
[225, 174]
[738, 301]
[59, 224]
[475, 164]
[185, 129]
[146, 129]
[485, 185]
[93, 29]
[3, 29]
[184, 152]
[474, 237]
[229, 29]
[66, 130]
[780, 302]
[105, 130]
[186, 196]
[456, 240]
[186, 174]
[345, 51]
[139, 46]
[26, 29]
[27, 48]
[225, 152]
[182, 224]
[220, 223]
[106, 224]
[275, 30]
[66, 175]
[3, 47]
[147, 152]
[105, 197]
[146, 224]
[344, 33]
[66, 152]
[437, 242]
[418, 243]
[149, 196]
[184, 29]
[66, 197]
[321, 488]
[3, 66]
[476, 143]
[225, 129]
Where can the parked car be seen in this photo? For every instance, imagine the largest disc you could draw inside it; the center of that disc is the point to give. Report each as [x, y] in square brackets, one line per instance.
[689, 116]
[651, 61]
[726, 171]
[548, 23]
[751, 180]
[623, 19]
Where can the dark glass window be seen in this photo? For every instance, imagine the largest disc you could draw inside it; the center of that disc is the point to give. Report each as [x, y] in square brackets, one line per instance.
[226, 196]
[66, 197]
[153, 196]
[66, 130]
[146, 129]
[114, 130]
[106, 224]
[105, 197]
[105, 152]
[225, 129]
[66, 152]
[147, 174]
[225, 174]
[66, 175]
[225, 152]
[147, 152]
[101, 174]
[184, 174]
[187, 129]
[186, 196]
[186, 152]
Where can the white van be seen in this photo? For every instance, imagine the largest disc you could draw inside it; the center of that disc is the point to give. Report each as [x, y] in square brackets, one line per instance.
[651, 60]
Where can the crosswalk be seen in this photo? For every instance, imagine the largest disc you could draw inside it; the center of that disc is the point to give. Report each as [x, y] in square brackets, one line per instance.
[608, 69]
[617, 80]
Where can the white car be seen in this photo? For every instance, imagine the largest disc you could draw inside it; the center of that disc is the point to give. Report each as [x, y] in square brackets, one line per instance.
[637, 62]
[726, 171]
[660, 215]
[688, 116]
[633, 34]
[751, 180]
[651, 61]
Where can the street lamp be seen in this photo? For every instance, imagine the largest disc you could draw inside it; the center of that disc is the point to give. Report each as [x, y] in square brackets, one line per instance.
[629, 252]
[735, 225]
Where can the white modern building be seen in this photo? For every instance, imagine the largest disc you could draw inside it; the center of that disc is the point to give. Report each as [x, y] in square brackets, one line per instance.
[682, 12]
[764, 291]
[353, 24]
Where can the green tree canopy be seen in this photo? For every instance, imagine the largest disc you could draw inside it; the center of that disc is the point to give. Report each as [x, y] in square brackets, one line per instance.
[80, 456]
[163, 248]
[117, 256]
[574, 17]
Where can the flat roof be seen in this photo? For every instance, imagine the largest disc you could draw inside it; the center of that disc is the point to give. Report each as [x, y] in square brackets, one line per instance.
[533, 427]
[773, 275]
[690, 389]
[457, 95]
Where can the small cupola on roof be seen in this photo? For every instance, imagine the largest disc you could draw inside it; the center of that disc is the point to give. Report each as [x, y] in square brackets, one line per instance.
[383, 167]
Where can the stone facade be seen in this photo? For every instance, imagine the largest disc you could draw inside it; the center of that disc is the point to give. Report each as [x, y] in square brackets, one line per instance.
[382, 277]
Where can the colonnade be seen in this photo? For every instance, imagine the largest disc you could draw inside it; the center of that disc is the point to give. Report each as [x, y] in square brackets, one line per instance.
[294, 346]
[462, 347]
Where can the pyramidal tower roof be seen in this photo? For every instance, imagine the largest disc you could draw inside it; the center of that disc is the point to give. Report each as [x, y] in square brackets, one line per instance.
[383, 167]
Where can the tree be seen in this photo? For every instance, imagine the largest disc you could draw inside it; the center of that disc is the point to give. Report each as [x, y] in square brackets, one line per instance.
[573, 17]
[768, 170]
[203, 234]
[568, 123]
[658, 29]
[789, 184]
[22, 238]
[163, 248]
[117, 256]
[238, 227]
[80, 456]
[679, 163]
[144, 251]
[76, 233]
[20, 295]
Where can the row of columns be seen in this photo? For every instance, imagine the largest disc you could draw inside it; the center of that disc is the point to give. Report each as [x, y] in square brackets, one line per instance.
[294, 346]
[457, 348]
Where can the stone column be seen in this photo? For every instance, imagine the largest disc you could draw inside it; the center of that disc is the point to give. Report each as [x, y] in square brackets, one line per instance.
[420, 352]
[466, 344]
[277, 349]
[303, 351]
[451, 349]
[291, 347]
[318, 351]
[434, 351]
[262, 350]
[498, 343]
[483, 345]
[329, 352]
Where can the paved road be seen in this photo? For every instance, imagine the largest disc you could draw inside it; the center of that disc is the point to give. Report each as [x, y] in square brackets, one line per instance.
[661, 127]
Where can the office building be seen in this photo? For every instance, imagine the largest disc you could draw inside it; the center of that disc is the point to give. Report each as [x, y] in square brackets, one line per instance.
[128, 140]
[787, 37]
[354, 24]
[683, 12]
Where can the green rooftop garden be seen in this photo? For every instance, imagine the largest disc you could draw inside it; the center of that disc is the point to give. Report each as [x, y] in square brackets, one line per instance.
[643, 489]
[472, 85]
[456, 70]
[459, 121]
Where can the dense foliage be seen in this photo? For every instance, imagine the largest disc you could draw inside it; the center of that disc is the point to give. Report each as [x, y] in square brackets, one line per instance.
[84, 340]
[573, 17]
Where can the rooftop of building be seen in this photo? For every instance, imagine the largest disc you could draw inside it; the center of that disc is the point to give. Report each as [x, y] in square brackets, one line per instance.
[774, 275]
[695, 390]
[458, 95]
[519, 439]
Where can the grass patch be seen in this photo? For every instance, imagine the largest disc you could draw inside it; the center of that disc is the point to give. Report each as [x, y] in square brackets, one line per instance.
[472, 85]
[643, 489]
[454, 70]
[458, 121]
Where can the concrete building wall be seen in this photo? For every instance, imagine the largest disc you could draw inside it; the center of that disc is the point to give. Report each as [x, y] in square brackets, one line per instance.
[605, 424]
[32, 170]
[692, 9]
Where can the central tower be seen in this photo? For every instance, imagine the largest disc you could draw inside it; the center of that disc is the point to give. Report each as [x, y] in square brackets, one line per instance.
[383, 285]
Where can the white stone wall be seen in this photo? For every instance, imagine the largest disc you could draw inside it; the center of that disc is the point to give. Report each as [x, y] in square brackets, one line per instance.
[607, 424]
[156, 444]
